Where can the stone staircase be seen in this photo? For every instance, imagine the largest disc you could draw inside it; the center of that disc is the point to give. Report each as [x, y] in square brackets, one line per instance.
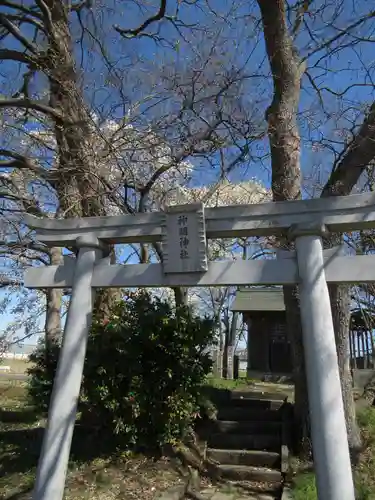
[250, 441]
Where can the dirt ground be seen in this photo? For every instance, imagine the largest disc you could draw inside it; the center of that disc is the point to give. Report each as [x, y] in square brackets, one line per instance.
[96, 470]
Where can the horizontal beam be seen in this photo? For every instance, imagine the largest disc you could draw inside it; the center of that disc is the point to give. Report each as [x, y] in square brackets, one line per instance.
[328, 253]
[359, 269]
[339, 214]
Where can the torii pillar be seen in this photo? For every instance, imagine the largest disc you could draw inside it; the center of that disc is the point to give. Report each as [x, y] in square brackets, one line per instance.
[54, 457]
[328, 426]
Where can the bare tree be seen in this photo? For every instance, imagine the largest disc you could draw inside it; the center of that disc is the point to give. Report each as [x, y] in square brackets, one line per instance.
[289, 59]
[18, 250]
[87, 168]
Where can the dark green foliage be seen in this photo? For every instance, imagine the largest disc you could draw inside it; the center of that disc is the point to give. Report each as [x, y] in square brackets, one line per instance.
[144, 372]
[42, 373]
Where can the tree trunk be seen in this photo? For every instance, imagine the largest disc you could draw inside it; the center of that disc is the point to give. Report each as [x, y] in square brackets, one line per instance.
[106, 299]
[180, 293]
[285, 147]
[180, 296]
[340, 306]
[77, 186]
[341, 183]
[285, 155]
[358, 155]
[53, 310]
[340, 303]
[301, 436]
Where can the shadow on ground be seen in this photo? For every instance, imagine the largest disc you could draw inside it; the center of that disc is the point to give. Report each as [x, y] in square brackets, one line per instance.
[21, 435]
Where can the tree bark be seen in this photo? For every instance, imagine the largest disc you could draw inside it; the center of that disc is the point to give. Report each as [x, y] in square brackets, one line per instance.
[285, 148]
[78, 187]
[301, 436]
[341, 183]
[53, 310]
[340, 304]
[359, 153]
[106, 299]
[181, 296]
[285, 153]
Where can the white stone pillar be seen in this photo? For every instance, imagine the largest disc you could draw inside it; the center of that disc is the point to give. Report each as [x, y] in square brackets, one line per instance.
[54, 457]
[219, 363]
[230, 362]
[328, 427]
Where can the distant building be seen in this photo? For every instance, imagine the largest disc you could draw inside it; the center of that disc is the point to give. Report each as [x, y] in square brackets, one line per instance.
[268, 348]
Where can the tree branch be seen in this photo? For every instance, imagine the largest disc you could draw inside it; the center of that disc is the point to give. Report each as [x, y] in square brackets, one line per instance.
[14, 55]
[137, 31]
[29, 206]
[46, 14]
[13, 30]
[29, 245]
[360, 152]
[181, 154]
[5, 281]
[27, 10]
[341, 33]
[76, 7]
[20, 19]
[22, 162]
[29, 104]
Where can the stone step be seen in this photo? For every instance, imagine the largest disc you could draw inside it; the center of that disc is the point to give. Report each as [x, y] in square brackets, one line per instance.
[246, 473]
[245, 427]
[222, 440]
[259, 491]
[259, 395]
[241, 494]
[245, 457]
[242, 414]
[252, 404]
[247, 399]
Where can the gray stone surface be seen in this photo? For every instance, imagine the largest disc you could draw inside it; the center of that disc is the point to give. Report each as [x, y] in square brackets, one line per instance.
[208, 492]
[216, 494]
[184, 239]
[223, 496]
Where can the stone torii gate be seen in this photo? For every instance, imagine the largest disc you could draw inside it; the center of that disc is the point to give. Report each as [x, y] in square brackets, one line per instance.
[183, 231]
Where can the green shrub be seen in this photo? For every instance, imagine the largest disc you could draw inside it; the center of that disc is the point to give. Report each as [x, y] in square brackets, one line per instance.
[41, 375]
[143, 373]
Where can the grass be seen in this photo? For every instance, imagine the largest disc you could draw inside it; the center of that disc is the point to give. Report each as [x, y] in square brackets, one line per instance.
[96, 472]
[247, 384]
[303, 487]
[16, 365]
[222, 383]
